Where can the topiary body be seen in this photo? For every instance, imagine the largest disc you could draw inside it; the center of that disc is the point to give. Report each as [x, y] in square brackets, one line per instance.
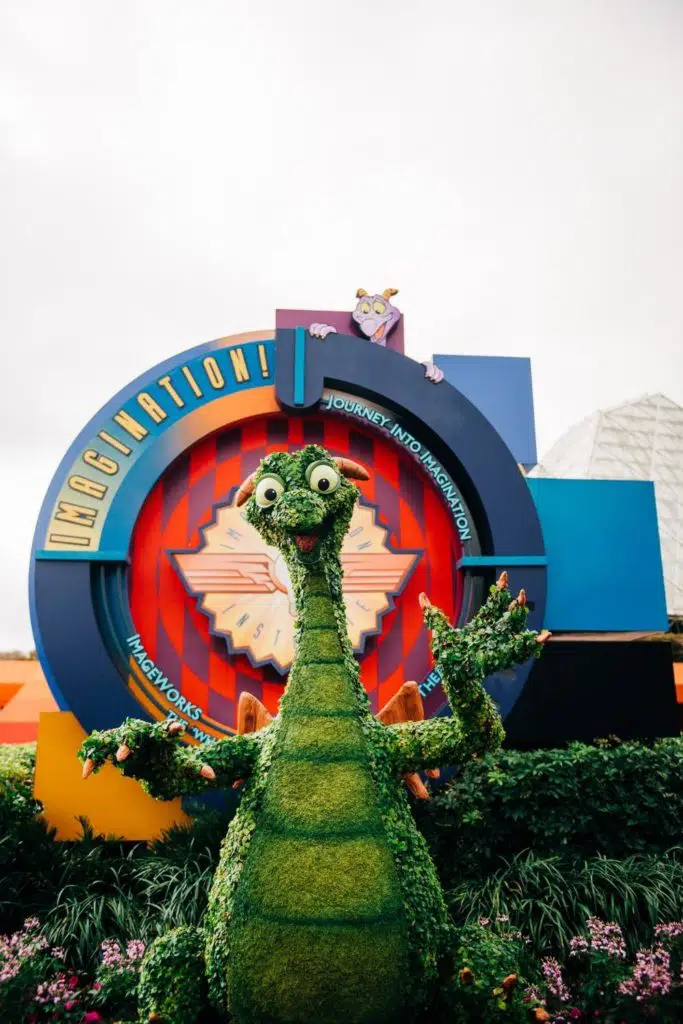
[325, 906]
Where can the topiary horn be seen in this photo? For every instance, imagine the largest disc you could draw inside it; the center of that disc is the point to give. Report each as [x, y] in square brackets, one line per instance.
[352, 470]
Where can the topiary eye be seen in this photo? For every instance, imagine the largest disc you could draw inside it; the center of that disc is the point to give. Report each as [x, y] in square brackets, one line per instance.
[268, 490]
[322, 478]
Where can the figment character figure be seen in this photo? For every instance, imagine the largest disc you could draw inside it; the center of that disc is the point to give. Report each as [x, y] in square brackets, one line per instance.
[376, 316]
[325, 906]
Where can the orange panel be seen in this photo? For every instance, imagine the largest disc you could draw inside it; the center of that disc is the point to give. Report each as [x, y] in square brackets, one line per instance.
[18, 732]
[7, 691]
[113, 804]
[678, 679]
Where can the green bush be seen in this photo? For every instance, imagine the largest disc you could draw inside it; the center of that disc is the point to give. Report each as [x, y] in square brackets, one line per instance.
[545, 838]
[581, 801]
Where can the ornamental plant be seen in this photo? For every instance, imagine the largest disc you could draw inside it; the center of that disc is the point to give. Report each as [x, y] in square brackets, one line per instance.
[325, 905]
[601, 982]
[116, 980]
[35, 984]
[491, 981]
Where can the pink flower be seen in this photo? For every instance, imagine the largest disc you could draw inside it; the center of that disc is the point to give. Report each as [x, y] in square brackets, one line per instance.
[96, 986]
[650, 976]
[92, 1017]
[73, 982]
[553, 978]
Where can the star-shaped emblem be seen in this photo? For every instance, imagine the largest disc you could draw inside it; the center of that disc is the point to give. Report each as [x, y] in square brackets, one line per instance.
[243, 584]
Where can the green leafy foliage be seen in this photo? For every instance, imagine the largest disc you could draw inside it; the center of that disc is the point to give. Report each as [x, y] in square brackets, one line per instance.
[549, 898]
[173, 978]
[323, 875]
[603, 799]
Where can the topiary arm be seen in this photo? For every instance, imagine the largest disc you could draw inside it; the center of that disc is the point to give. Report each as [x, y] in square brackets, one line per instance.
[418, 746]
[496, 639]
[167, 768]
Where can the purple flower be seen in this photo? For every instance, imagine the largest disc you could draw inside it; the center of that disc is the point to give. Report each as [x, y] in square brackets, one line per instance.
[552, 973]
[668, 931]
[651, 975]
[135, 949]
[602, 938]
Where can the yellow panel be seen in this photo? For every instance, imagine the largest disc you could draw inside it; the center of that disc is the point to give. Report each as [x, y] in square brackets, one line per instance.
[113, 804]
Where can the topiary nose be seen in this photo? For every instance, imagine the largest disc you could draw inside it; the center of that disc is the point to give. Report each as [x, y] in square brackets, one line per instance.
[299, 509]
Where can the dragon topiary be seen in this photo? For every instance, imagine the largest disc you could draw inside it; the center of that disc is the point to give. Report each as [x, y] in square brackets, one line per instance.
[326, 906]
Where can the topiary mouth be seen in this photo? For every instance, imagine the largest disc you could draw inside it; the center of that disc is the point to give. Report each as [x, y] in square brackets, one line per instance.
[306, 542]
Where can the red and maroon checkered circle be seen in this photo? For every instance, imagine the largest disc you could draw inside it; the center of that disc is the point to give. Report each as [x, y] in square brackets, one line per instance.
[177, 636]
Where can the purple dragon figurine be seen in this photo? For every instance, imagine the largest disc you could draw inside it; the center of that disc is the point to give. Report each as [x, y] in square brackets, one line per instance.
[376, 317]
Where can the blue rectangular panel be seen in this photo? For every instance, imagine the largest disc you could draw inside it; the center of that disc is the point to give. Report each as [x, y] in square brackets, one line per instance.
[500, 387]
[604, 559]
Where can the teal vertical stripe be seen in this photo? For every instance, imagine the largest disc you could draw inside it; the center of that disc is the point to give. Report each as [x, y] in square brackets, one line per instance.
[299, 365]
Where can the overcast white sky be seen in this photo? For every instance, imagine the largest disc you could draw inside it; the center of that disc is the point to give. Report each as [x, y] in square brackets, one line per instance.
[174, 171]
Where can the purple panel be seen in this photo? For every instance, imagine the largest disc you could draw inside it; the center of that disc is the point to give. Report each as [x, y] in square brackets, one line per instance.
[247, 684]
[388, 501]
[228, 443]
[416, 663]
[195, 651]
[250, 461]
[174, 485]
[290, 318]
[219, 647]
[168, 659]
[314, 432]
[221, 708]
[277, 431]
[390, 653]
[361, 448]
[411, 490]
[201, 500]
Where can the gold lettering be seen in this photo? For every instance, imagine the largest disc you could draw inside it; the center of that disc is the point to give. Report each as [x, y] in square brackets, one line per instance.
[80, 515]
[152, 408]
[192, 382]
[101, 462]
[165, 383]
[263, 360]
[213, 372]
[239, 364]
[130, 425]
[63, 538]
[89, 487]
[114, 442]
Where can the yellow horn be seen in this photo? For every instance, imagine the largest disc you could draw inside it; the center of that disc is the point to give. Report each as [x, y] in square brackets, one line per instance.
[246, 489]
[389, 292]
[352, 470]
[361, 293]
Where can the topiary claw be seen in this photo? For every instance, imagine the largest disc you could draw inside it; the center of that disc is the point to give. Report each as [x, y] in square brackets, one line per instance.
[88, 768]
[424, 602]
[175, 728]
[122, 753]
[503, 581]
[207, 772]
[543, 636]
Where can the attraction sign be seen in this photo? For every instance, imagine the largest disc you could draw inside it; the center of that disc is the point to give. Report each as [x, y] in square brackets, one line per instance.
[152, 597]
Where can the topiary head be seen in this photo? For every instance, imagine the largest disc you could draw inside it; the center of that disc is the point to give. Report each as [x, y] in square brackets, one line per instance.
[302, 502]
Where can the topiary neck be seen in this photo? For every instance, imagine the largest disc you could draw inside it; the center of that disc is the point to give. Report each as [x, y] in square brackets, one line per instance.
[324, 676]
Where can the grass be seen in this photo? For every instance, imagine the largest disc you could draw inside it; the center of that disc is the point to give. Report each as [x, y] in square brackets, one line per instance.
[549, 898]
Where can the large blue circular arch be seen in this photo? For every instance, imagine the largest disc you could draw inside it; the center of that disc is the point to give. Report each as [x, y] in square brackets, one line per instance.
[74, 600]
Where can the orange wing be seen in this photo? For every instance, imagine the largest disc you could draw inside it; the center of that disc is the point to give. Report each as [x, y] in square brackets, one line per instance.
[229, 573]
[375, 572]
